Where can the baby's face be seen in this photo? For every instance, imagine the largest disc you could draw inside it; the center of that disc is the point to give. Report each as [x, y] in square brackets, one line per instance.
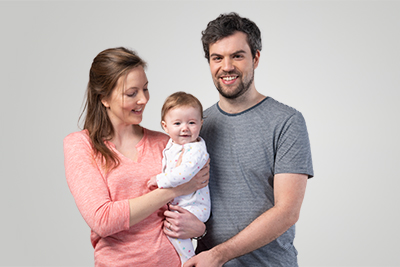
[183, 124]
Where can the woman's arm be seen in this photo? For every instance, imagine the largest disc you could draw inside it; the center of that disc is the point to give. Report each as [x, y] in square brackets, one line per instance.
[141, 207]
[89, 189]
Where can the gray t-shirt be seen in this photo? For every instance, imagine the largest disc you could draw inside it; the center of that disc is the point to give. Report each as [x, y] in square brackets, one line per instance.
[246, 151]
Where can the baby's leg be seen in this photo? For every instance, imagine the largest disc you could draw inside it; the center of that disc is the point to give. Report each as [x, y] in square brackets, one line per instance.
[184, 247]
[200, 210]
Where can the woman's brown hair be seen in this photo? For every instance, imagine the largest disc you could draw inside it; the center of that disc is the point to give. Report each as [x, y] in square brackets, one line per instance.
[107, 67]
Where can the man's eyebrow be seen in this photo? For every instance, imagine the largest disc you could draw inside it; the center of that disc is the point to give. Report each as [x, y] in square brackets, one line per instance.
[239, 52]
[234, 53]
[215, 54]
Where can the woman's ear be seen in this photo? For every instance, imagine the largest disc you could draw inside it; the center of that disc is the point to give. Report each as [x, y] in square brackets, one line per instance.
[105, 102]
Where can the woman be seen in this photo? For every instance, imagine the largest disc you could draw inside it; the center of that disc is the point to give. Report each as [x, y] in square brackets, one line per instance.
[109, 163]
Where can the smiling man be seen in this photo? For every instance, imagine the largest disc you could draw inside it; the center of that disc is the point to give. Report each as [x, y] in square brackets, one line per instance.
[260, 157]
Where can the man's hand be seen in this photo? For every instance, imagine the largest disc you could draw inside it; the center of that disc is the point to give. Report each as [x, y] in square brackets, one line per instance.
[180, 223]
[204, 259]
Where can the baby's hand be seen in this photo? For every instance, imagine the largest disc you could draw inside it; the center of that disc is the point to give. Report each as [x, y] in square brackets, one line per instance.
[152, 183]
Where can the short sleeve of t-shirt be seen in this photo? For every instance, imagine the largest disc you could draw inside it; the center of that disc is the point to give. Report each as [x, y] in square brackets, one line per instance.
[293, 148]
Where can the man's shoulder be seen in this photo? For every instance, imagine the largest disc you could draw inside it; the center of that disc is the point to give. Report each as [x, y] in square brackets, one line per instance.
[211, 110]
[274, 106]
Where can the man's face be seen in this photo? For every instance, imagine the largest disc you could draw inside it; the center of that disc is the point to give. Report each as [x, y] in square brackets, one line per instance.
[232, 65]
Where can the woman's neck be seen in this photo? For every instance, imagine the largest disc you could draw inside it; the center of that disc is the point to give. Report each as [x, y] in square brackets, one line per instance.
[127, 134]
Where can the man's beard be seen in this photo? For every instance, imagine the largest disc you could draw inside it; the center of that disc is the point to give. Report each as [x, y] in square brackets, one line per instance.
[240, 89]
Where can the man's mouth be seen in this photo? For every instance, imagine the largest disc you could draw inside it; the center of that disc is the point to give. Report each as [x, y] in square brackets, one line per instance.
[229, 78]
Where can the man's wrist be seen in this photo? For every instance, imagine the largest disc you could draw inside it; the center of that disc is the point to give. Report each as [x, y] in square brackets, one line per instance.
[219, 255]
[200, 237]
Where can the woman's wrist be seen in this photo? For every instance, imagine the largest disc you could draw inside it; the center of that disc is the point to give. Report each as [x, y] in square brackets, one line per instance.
[170, 193]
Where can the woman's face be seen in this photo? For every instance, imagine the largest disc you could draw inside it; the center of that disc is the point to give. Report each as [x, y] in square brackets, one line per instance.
[128, 99]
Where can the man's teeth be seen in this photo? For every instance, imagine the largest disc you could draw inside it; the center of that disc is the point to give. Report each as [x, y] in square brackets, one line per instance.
[229, 78]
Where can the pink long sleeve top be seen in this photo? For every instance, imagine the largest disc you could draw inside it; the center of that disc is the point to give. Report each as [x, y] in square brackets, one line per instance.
[102, 199]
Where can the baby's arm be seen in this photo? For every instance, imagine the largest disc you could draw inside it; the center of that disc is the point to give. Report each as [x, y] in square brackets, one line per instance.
[192, 162]
[152, 183]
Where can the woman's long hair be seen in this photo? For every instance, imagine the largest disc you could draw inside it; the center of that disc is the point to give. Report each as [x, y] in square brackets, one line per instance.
[107, 68]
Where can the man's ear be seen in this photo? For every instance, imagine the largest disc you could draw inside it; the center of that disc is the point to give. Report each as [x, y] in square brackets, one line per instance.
[164, 126]
[256, 59]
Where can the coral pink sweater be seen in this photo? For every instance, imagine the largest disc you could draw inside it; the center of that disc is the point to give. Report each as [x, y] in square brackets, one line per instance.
[102, 199]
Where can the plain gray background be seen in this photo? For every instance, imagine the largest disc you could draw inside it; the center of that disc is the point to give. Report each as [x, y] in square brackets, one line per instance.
[338, 62]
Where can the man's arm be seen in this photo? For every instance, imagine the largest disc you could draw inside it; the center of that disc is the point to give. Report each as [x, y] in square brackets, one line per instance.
[289, 189]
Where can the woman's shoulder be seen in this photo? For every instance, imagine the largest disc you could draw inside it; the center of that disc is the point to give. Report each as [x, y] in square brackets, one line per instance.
[155, 135]
[77, 137]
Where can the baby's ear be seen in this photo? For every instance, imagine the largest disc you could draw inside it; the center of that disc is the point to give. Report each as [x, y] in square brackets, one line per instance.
[164, 126]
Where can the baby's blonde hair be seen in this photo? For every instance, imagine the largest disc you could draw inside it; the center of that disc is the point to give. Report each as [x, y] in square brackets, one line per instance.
[180, 99]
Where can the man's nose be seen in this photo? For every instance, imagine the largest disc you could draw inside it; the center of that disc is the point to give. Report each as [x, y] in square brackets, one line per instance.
[227, 65]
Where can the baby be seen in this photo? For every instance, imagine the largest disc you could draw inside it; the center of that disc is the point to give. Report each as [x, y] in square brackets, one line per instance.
[184, 155]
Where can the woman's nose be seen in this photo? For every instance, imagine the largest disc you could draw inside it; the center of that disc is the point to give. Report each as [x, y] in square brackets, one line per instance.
[143, 98]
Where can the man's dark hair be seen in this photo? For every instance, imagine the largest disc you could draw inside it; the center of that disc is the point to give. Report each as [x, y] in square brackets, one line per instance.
[226, 25]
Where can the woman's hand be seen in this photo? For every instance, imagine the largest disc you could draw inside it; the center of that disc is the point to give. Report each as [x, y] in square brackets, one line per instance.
[199, 181]
[180, 223]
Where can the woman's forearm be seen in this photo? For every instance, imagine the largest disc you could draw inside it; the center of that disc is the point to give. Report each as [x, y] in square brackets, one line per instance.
[143, 206]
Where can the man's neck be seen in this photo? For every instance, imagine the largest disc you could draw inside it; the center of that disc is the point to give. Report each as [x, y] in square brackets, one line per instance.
[240, 104]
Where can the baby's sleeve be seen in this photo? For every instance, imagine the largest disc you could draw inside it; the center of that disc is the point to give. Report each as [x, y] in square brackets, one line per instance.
[193, 159]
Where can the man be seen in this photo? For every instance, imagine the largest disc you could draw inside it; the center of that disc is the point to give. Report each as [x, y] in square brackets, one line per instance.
[260, 157]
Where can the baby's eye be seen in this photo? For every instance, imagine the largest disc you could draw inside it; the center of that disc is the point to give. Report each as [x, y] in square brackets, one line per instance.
[177, 123]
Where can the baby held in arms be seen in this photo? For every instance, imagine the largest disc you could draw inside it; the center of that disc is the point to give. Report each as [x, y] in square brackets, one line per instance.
[184, 156]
